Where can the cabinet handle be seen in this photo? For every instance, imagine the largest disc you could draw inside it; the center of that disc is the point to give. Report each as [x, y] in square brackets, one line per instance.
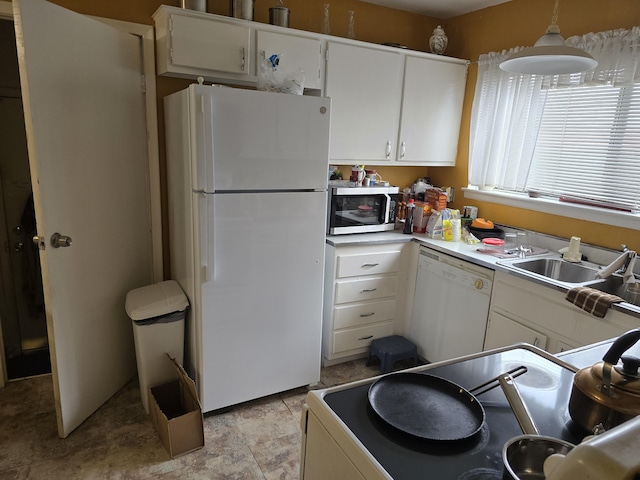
[403, 149]
[368, 290]
[536, 342]
[368, 265]
[366, 338]
[244, 61]
[367, 314]
[388, 151]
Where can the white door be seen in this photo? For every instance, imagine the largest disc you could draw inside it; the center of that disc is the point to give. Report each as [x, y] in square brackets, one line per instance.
[84, 116]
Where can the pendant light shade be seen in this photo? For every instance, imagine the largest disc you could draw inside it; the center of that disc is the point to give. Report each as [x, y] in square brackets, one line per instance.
[550, 55]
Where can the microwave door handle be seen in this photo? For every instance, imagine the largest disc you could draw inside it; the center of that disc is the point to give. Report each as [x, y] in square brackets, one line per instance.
[387, 208]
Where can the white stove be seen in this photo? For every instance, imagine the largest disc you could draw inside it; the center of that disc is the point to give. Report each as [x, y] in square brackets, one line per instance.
[345, 439]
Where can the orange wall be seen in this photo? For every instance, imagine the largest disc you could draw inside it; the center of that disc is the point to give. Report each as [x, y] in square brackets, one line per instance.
[522, 22]
[517, 22]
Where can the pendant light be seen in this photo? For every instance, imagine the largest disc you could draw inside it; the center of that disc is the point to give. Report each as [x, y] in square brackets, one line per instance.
[550, 55]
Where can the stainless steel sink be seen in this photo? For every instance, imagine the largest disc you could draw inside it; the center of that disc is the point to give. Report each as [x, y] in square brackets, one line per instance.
[556, 269]
[616, 286]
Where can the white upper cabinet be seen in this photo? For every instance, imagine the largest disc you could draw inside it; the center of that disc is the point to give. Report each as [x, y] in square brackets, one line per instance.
[295, 52]
[431, 111]
[189, 45]
[365, 86]
[397, 108]
[389, 106]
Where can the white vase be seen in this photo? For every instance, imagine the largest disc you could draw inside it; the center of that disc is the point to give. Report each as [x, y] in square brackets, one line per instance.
[438, 41]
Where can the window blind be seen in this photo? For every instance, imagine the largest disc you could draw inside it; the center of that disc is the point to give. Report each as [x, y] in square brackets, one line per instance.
[588, 146]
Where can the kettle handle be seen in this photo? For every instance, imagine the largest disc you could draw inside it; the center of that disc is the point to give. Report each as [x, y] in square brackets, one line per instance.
[623, 343]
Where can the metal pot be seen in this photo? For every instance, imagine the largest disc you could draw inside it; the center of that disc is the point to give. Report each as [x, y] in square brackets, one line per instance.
[524, 456]
[607, 393]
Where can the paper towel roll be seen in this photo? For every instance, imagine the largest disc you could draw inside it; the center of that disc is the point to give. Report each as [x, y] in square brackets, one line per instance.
[573, 252]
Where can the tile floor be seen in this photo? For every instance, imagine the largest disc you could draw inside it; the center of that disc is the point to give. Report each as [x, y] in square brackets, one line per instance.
[256, 440]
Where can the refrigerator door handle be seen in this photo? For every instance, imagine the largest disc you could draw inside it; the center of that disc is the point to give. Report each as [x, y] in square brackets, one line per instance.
[207, 264]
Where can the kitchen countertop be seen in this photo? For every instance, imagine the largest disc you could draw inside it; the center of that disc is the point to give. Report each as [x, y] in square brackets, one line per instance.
[471, 254]
[588, 355]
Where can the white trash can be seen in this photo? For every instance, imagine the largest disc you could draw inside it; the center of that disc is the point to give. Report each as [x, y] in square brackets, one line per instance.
[158, 313]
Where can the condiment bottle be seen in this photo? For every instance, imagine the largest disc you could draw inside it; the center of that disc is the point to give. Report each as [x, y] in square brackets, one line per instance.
[408, 220]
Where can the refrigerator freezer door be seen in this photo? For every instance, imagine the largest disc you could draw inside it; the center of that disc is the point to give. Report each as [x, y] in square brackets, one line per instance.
[255, 140]
[261, 294]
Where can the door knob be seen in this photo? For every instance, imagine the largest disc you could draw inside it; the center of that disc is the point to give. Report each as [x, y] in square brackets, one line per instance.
[58, 240]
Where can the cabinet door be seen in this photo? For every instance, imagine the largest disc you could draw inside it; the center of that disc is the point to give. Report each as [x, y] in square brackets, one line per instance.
[431, 111]
[208, 45]
[502, 331]
[295, 53]
[365, 86]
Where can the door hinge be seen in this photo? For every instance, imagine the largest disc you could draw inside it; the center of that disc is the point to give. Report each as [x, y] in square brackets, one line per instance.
[143, 79]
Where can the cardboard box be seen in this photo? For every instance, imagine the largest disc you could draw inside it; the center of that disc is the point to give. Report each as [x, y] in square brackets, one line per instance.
[176, 413]
[436, 198]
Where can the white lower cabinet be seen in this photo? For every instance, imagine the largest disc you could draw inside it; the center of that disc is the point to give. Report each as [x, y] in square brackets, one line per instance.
[502, 331]
[365, 298]
[525, 311]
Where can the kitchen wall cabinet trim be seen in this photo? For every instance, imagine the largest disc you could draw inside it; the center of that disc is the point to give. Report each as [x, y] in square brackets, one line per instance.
[365, 297]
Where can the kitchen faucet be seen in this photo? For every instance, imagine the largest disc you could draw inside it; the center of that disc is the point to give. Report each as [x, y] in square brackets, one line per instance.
[622, 265]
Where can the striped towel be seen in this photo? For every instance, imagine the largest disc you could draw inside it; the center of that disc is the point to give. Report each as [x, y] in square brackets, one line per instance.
[591, 300]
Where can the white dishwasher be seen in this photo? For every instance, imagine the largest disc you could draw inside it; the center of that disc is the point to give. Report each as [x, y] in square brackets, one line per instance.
[450, 307]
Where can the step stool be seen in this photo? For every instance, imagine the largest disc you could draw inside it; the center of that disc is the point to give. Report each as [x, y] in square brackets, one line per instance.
[390, 350]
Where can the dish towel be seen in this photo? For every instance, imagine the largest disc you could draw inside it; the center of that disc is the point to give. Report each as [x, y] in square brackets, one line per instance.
[591, 300]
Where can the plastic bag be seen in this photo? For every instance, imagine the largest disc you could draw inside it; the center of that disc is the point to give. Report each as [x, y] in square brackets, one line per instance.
[273, 77]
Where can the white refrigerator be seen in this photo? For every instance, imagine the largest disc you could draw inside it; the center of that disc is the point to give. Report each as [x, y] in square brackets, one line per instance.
[247, 186]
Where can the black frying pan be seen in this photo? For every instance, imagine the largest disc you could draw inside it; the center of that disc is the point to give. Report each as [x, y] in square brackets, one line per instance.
[430, 407]
[426, 406]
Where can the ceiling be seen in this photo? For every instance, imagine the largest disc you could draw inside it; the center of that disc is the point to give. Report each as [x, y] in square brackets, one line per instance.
[437, 8]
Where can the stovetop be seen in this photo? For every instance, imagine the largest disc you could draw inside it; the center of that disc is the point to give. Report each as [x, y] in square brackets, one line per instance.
[545, 389]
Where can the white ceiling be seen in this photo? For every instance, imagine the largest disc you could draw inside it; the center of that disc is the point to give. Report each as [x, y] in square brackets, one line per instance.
[438, 8]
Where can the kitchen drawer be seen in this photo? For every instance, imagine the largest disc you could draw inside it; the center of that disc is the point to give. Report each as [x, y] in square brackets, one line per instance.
[363, 313]
[360, 338]
[373, 263]
[365, 289]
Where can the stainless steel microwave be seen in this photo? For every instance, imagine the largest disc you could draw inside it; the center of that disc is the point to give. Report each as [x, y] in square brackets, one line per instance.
[361, 209]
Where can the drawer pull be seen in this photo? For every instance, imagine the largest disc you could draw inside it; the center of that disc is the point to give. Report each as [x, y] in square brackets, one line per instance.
[368, 314]
[366, 338]
[369, 265]
[368, 290]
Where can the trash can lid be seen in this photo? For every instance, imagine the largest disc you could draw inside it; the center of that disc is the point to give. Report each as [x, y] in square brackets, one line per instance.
[155, 300]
